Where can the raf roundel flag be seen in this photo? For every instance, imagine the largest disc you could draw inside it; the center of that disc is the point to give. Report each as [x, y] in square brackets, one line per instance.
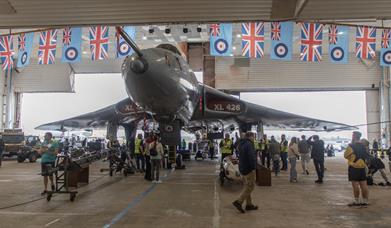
[220, 39]
[123, 48]
[281, 37]
[385, 52]
[71, 40]
[338, 44]
[25, 46]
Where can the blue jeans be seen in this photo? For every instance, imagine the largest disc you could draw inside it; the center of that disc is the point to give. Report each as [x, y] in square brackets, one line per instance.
[284, 159]
[293, 173]
[276, 166]
[140, 159]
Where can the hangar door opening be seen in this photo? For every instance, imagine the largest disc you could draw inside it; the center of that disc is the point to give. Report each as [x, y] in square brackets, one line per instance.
[338, 106]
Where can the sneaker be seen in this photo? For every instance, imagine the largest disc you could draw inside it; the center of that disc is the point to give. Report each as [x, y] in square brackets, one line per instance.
[154, 182]
[308, 173]
[319, 181]
[354, 204]
[159, 181]
[251, 207]
[238, 206]
[388, 183]
[44, 192]
[364, 205]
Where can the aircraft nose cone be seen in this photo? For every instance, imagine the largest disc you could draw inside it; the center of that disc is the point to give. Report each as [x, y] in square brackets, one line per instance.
[138, 66]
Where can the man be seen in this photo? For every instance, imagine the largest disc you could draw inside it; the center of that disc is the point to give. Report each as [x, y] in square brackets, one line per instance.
[247, 165]
[275, 154]
[225, 146]
[317, 154]
[265, 155]
[376, 164]
[304, 150]
[284, 152]
[356, 155]
[48, 150]
[139, 153]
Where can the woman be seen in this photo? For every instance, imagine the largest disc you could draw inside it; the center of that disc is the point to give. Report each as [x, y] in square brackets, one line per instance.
[156, 153]
[293, 153]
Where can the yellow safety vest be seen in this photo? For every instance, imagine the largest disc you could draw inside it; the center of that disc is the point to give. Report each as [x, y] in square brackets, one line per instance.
[137, 148]
[264, 144]
[226, 148]
[284, 149]
[256, 144]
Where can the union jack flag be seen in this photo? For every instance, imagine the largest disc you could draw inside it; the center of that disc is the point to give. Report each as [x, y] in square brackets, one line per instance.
[215, 29]
[99, 39]
[66, 36]
[22, 42]
[311, 42]
[333, 34]
[365, 42]
[385, 38]
[276, 31]
[47, 46]
[253, 37]
[6, 52]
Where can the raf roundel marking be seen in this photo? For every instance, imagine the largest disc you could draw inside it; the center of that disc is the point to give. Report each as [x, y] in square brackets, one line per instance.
[23, 58]
[221, 46]
[71, 53]
[387, 57]
[123, 48]
[337, 54]
[281, 50]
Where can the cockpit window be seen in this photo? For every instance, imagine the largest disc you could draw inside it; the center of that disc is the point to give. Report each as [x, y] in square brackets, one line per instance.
[169, 47]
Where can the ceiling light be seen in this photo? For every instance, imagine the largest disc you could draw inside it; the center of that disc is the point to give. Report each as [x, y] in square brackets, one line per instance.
[234, 48]
[144, 37]
[239, 35]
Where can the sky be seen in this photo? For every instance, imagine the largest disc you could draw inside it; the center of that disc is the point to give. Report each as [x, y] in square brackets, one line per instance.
[95, 91]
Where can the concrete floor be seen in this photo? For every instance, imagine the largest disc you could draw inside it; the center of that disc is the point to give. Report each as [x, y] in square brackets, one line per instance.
[188, 198]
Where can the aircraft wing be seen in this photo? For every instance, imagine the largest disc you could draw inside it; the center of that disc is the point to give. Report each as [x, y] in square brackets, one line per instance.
[123, 112]
[219, 106]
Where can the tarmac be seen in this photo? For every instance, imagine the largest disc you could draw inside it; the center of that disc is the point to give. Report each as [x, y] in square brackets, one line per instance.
[191, 197]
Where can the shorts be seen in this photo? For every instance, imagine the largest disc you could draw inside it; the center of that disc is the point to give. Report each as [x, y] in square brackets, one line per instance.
[46, 168]
[357, 174]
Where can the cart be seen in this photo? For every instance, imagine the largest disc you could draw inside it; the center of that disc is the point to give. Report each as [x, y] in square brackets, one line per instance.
[61, 174]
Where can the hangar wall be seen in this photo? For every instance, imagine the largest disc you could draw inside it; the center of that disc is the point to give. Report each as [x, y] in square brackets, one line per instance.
[262, 75]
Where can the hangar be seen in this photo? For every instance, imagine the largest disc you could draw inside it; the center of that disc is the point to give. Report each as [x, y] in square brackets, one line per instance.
[159, 22]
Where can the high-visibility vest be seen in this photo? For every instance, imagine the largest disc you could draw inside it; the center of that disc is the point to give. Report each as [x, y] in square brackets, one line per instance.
[256, 144]
[264, 143]
[226, 148]
[284, 148]
[137, 146]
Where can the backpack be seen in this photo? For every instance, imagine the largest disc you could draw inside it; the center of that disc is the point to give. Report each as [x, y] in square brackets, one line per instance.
[153, 151]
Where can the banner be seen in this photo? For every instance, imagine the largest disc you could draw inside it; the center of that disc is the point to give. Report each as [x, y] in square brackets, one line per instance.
[47, 47]
[385, 51]
[221, 39]
[99, 42]
[253, 38]
[71, 49]
[25, 46]
[6, 52]
[338, 44]
[311, 42]
[281, 40]
[365, 42]
[123, 48]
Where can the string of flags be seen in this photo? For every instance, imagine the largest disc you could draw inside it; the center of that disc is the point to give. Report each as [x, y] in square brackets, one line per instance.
[252, 36]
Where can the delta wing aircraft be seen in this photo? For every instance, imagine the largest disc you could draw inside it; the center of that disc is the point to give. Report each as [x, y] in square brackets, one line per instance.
[163, 89]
